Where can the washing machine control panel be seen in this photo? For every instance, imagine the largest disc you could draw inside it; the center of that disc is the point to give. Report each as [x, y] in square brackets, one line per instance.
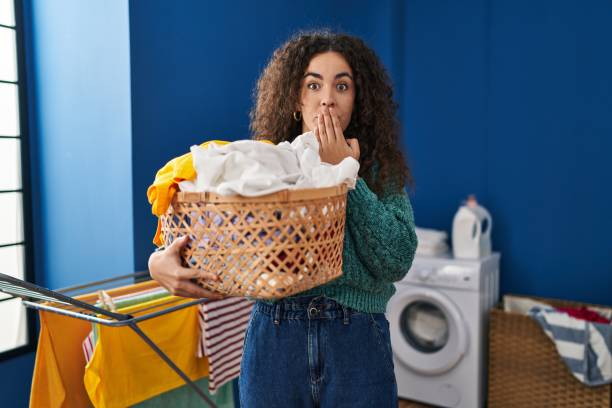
[455, 276]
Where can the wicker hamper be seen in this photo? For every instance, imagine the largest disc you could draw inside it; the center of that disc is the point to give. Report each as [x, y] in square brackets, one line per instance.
[525, 369]
[263, 247]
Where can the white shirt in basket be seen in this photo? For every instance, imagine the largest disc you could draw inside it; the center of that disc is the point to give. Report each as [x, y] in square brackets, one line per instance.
[251, 168]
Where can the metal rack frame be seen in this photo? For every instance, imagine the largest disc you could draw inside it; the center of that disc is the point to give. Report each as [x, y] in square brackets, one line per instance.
[40, 298]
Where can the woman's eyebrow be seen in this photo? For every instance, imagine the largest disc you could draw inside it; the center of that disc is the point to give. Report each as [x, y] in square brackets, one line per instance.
[344, 74]
[314, 74]
[319, 76]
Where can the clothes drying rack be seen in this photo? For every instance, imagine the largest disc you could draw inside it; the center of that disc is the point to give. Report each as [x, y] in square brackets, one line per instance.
[61, 301]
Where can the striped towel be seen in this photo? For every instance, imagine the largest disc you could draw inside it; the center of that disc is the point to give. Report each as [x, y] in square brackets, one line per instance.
[585, 347]
[88, 346]
[223, 325]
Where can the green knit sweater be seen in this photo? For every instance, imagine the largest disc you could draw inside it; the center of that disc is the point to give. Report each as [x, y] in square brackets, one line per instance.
[379, 246]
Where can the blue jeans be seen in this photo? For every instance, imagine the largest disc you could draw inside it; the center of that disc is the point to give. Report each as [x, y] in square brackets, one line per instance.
[313, 352]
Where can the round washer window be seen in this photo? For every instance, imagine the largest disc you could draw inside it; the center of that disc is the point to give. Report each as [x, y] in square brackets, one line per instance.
[424, 326]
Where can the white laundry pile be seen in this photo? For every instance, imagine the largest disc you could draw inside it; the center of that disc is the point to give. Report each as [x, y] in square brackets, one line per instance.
[431, 242]
[251, 168]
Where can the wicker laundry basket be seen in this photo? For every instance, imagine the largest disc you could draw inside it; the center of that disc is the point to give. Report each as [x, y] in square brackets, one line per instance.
[525, 369]
[263, 247]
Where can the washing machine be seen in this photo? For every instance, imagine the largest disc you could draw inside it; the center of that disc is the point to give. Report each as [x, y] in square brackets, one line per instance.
[438, 323]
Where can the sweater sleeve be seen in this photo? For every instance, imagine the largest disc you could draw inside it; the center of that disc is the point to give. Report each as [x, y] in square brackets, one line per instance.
[384, 231]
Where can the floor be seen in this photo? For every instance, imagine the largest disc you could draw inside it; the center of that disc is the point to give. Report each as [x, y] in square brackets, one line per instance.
[411, 404]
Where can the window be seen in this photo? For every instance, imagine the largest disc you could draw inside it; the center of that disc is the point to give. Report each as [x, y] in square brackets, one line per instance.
[15, 240]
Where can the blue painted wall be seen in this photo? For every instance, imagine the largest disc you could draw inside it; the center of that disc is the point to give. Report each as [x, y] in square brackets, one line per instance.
[81, 96]
[15, 380]
[550, 139]
[80, 131]
[444, 105]
[512, 101]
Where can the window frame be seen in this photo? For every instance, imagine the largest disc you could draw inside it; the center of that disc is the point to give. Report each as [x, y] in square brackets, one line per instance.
[26, 180]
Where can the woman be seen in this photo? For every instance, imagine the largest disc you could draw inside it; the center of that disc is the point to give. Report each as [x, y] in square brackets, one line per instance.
[328, 346]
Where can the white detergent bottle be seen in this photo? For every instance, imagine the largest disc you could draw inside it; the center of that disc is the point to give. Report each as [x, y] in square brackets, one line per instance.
[472, 231]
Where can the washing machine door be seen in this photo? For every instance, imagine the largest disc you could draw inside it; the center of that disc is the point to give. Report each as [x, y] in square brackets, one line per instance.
[428, 333]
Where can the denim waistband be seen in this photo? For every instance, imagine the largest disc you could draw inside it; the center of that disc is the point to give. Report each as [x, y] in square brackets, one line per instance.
[306, 308]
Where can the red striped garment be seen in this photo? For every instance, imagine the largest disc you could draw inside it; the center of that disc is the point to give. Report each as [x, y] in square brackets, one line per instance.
[88, 346]
[223, 324]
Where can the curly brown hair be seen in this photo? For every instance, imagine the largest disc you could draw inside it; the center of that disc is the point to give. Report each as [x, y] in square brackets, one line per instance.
[373, 122]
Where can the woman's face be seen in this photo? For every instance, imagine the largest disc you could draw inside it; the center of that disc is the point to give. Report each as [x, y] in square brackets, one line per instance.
[327, 82]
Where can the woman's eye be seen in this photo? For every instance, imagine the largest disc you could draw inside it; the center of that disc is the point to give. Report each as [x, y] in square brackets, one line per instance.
[313, 86]
[342, 87]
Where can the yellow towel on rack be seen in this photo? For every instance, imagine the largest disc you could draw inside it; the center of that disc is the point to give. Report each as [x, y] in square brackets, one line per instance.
[124, 370]
[57, 381]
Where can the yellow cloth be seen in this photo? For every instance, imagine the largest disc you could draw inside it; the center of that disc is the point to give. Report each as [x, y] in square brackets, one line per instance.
[164, 187]
[57, 380]
[124, 370]
[59, 369]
